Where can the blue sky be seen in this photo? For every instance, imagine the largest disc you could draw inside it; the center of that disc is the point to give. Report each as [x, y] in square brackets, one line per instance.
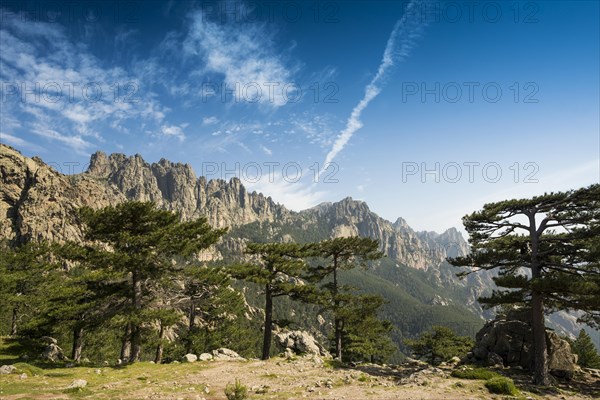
[424, 109]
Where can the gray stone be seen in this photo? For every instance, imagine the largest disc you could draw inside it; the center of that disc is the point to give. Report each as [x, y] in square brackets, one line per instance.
[508, 341]
[77, 384]
[48, 340]
[189, 358]
[53, 353]
[205, 357]
[299, 342]
[226, 354]
[7, 369]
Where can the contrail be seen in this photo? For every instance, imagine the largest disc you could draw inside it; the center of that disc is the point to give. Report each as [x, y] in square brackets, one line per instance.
[406, 30]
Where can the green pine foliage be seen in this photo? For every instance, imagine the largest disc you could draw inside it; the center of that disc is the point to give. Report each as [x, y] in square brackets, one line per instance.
[587, 356]
[546, 251]
[439, 345]
[278, 268]
[365, 337]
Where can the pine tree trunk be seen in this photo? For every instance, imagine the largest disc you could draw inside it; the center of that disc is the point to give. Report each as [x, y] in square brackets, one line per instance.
[136, 332]
[540, 356]
[538, 327]
[192, 315]
[14, 320]
[159, 348]
[136, 344]
[126, 344]
[337, 322]
[266, 350]
[77, 344]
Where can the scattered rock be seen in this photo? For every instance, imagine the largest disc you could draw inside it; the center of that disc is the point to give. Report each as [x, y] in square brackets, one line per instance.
[7, 369]
[77, 384]
[454, 360]
[226, 354]
[53, 353]
[190, 358]
[423, 376]
[23, 376]
[205, 357]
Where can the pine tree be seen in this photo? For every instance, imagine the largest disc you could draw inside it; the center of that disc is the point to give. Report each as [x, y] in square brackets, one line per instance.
[278, 269]
[339, 254]
[22, 272]
[553, 266]
[440, 344]
[364, 335]
[141, 242]
[587, 356]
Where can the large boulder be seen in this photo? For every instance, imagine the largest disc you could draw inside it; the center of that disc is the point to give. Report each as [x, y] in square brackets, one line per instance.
[53, 353]
[300, 342]
[508, 341]
[190, 358]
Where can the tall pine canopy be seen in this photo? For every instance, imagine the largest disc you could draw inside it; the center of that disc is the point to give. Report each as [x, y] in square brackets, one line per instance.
[277, 268]
[340, 254]
[141, 243]
[546, 252]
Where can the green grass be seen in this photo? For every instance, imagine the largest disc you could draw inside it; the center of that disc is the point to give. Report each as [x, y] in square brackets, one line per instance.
[475, 373]
[30, 370]
[502, 385]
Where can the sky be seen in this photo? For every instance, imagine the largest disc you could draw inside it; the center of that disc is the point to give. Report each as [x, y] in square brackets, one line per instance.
[426, 110]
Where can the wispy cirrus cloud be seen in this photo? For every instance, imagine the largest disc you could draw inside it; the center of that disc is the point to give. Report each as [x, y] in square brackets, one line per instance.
[21, 143]
[400, 42]
[60, 91]
[243, 54]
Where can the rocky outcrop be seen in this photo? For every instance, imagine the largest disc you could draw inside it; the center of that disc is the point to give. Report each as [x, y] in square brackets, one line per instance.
[174, 186]
[398, 241]
[509, 342]
[299, 342]
[38, 203]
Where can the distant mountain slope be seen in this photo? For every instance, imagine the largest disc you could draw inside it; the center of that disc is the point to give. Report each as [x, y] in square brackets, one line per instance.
[37, 203]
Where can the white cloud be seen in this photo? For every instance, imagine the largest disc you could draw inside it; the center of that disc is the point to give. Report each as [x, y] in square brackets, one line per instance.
[398, 46]
[76, 142]
[210, 120]
[243, 54]
[295, 196]
[17, 141]
[74, 91]
[266, 150]
[173, 131]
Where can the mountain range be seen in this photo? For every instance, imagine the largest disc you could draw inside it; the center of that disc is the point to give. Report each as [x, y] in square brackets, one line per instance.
[421, 288]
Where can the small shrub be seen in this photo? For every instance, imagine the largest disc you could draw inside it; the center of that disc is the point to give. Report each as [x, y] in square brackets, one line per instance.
[501, 385]
[364, 378]
[475, 373]
[236, 391]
